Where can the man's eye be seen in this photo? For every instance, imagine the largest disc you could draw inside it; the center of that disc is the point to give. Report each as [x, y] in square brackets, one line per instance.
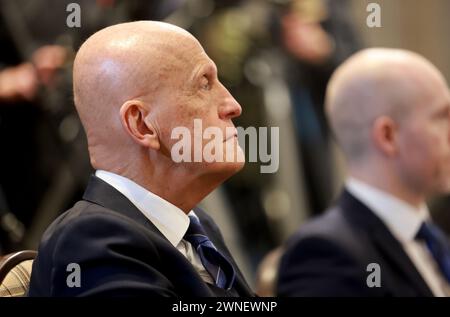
[205, 83]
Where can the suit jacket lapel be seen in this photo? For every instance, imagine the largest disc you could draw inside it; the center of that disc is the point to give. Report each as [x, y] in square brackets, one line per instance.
[391, 249]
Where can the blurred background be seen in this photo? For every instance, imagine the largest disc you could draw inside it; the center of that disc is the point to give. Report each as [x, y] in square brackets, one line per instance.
[275, 57]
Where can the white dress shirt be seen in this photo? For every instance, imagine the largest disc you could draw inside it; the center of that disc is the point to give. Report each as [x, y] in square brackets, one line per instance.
[403, 221]
[171, 221]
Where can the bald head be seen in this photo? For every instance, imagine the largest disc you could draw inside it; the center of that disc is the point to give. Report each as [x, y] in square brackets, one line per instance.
[374, 83]
[135, 85]
[119, 63]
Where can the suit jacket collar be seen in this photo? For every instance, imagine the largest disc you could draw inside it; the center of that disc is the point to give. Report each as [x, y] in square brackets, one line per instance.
[402, 219]
[101, 193]
[170, 220]
[362, 217]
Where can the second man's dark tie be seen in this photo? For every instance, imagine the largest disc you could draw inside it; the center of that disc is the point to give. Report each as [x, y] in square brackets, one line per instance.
[438, 245]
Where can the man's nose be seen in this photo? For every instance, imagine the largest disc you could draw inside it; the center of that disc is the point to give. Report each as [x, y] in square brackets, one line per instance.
[229, 107]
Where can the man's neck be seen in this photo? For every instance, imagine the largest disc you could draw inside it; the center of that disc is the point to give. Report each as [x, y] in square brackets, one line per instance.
[173, 185]
[389, 184]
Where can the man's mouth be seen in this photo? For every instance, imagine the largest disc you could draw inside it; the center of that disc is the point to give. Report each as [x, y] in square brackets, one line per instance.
[231, 134]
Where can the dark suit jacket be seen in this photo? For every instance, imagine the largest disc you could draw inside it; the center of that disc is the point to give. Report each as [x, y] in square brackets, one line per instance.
[120, 253]
[329, 257]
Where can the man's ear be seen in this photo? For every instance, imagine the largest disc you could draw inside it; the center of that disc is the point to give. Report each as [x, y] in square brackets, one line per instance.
[133, 115]
[384, 134]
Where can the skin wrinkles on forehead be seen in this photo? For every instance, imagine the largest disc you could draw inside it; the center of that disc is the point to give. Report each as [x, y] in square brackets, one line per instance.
[175, 65]
[204, 65]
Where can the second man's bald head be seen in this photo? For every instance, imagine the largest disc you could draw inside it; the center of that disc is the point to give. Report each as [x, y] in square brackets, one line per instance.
[373, 83]
[390, 112]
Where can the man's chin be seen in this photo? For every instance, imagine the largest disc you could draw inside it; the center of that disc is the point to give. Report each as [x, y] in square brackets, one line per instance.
[232, 167]
[225, 170]
[238, 166]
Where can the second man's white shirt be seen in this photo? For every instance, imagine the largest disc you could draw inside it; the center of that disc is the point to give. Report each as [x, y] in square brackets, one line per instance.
[403, 221]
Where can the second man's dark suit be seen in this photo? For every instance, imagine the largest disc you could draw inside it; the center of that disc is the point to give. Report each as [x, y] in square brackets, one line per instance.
[330, 255]
[120, 253]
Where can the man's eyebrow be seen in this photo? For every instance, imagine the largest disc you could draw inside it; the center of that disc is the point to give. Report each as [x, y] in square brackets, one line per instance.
[203, 69]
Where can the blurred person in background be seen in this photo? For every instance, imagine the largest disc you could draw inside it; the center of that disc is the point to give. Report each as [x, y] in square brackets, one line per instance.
[390, 112]
[317, 35]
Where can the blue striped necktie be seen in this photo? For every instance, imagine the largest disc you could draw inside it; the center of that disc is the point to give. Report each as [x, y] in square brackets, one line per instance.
[438, 245]
[217, 265]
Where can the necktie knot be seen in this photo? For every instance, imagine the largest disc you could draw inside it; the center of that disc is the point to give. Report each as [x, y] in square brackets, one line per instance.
[196, 234]
[216, 264]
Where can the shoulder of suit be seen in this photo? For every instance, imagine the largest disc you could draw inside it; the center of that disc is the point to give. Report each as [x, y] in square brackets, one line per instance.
[83, 209]
[84, 216]
[331, 229]
[327, 225]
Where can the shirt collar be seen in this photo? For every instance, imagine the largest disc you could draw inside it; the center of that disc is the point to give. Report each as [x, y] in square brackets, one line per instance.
[170, 220]
[402, 219]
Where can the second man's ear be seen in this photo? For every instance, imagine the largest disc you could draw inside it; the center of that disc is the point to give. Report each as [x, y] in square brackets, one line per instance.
[134, 116]
[384, 135]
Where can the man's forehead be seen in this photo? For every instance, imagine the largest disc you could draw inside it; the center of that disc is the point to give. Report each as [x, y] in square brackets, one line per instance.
[192, 63]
